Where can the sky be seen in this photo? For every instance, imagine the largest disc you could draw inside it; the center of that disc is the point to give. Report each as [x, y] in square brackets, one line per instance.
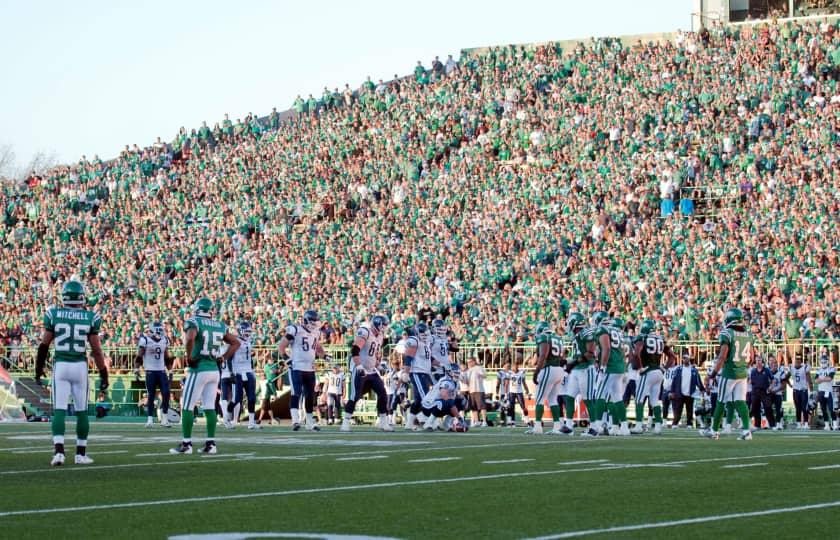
[87, 77]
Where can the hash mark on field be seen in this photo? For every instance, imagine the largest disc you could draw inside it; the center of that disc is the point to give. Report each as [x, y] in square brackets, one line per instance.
[360, 458]
[499, 461]
[431, 460]
[742, 465]
[823, 467]
[586, 462]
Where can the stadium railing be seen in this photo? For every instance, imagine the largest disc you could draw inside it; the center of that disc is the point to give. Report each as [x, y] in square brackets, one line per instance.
[491, 355]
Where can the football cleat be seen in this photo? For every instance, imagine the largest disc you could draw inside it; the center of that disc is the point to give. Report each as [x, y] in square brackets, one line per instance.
[657, 429]
[182, 448]
[536, 429]
[209, 448]
[623, 432]
[709, 434]
[83, 460]
[254, 427]
[149, 424]
[590, 433]
[296, 427]
[345, 425]
[637, 429]
[164, 422]
[727, 429]
[745, 436]
[57, 460]
[313, 427]
[228, 424]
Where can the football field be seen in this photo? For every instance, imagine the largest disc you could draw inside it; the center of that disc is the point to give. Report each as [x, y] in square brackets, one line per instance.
[488, 483]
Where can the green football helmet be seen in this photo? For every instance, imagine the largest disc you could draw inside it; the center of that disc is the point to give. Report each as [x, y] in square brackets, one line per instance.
[73, 294]
[615, 322]
[599, 317]
[575, 322]
[542, 328]
[647, 326]
[203, 306]
[733, 317]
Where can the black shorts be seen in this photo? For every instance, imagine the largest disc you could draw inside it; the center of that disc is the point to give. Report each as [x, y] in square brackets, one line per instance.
[266, 404]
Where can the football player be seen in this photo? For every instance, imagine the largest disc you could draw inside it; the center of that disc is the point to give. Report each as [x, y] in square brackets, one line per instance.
[71, 328]
[517, 386]
[417, 368]
[204, 337]
[549, 375]
[304, 340]
[244, 378]
[734, 357]
[778, 390]
[800, 375]
[335, 391]
[226, 395]
[396, 389]
[153, 355]
[825, 397]
[441, 401]
[646, 356]
[586, 343]
[440, 349]
[610, 393]
[364, 354]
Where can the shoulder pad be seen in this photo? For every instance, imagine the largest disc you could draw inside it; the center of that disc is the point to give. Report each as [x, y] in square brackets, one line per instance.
[292, 329]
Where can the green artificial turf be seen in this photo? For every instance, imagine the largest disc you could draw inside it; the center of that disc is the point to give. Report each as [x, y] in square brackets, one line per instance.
[369, 483]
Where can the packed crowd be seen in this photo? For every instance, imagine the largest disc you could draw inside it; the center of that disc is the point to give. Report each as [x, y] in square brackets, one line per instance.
[514, 185]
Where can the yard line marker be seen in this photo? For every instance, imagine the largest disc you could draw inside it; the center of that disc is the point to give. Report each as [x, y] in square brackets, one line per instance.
[432, 460]
[823, 467]
[51, 451]
[500, 461]
[360, 487]
[689, 521]
[360, 458]
[742, 465]
[586, 462]
[159, 454]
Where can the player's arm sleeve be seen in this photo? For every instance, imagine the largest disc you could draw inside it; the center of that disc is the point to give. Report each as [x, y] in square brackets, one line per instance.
[49, 325]
[189, 324]
[96, 324]
[291, 332]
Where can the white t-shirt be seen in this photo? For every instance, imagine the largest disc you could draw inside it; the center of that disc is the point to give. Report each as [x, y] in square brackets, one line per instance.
[476, 376]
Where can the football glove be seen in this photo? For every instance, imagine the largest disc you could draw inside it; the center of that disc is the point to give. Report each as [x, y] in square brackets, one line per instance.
[103, 380]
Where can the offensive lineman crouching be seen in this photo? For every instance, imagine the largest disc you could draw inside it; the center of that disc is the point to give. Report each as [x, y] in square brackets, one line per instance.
[443, 401]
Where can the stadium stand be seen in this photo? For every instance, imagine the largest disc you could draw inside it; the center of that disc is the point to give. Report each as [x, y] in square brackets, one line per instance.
[655, 179]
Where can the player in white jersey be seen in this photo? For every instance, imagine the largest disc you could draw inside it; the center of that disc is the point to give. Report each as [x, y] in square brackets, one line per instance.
[335, 391]
[800, 381]
[153, 355]
[243, 376]
[440, 349]
[517, 386]
[303, 339]
[441, 401]
[825, 396]
[364, 354]
[417, 367]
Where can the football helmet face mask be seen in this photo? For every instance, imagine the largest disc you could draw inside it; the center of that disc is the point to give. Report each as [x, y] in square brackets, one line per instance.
[423, 332]
[73, 294]
[599, 317]
[244, 329]
[733, 317]
[439, 328]
[647, 326]
[542, 328]
[378, 323]
[156, 329]
[311, 320]
[575, 322]
[823, 361]
[616, 323]
[203, 307]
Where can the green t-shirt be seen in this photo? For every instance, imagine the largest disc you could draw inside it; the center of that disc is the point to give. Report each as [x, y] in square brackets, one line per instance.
[738, 356]
[208, 342]
[71, 328]
[555, 348]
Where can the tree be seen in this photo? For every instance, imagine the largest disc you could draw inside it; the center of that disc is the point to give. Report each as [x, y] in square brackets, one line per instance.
[7, 162]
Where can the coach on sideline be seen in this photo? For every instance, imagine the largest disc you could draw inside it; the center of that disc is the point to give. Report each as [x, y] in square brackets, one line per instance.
[761, 378]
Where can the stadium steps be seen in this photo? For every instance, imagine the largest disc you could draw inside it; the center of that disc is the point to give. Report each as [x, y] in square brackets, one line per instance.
[34, 396]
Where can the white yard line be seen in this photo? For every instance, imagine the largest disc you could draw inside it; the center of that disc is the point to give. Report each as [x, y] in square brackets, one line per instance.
[360, 458]
[500, 461]
[823, 467]
[586, 462]
[689, 521]
[51, 451]
[360, 487]
[742, 465]
[433, 460]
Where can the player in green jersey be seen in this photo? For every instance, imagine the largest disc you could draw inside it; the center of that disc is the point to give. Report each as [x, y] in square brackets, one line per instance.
[203, 339]
[549, 376]
[646, 356]
[609, 396]
[70, 328]
[583, 374]
[735, 356]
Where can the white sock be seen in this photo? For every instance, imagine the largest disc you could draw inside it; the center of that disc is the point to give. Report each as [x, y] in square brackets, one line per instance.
[295, 416]
[58, 439]
[309, 419]
[225, 414]
[81, 442]
[236, 413]
[250, 418]
[624, 424]
[383, 419]
[410, 418]
[150, 419]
